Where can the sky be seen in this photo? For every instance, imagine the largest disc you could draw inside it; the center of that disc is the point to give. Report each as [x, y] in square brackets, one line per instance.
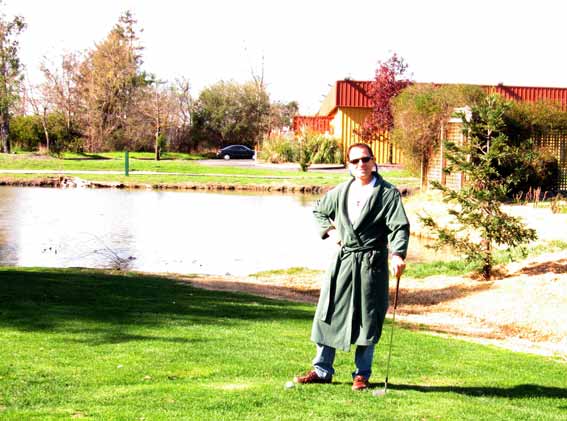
[304, 46]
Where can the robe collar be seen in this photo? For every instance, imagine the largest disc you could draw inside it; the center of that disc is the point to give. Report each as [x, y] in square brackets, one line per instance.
[365, 209]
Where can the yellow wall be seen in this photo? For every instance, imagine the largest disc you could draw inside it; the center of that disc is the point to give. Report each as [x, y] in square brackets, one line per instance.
[347, 120]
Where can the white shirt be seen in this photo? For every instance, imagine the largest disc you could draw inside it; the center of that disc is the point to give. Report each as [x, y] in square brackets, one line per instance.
[357, 197]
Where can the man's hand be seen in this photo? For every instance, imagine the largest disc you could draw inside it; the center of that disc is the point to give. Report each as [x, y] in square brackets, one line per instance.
[397, 265]
[334, 236]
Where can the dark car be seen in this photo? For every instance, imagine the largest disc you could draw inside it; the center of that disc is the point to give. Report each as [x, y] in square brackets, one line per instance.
[236, 152]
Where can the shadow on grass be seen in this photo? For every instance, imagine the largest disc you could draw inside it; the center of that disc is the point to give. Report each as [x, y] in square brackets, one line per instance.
[45, 299]
[88, 157]
[520, 391]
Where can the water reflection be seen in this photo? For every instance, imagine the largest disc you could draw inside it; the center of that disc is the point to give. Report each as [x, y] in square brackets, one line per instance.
[185, 232]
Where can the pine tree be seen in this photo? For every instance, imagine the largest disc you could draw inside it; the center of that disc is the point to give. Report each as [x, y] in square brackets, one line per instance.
[477, 207]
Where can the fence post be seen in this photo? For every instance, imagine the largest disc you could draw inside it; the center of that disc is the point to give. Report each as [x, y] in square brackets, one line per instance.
[126, 163]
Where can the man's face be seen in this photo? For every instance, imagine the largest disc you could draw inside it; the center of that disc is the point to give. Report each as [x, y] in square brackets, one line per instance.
[359, 169]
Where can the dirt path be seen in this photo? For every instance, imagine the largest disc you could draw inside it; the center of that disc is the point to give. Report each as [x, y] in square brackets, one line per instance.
[523, 311]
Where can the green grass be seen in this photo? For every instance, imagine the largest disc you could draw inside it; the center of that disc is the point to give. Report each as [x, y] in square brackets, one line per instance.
[94, 345]
[186, 167]
[462, 267]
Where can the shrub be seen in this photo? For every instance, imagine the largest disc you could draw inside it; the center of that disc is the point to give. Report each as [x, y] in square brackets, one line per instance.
[277, 149]
[317, 148]
[328, 150]
[476, 209]
[306, 148]
[419, 112]
[26, 132]
[541, 172]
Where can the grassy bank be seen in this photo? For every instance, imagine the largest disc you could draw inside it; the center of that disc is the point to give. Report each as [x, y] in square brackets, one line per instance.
[176, 169]
[95, 345]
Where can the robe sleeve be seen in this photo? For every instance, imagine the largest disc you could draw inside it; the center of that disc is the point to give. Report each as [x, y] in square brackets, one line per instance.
[398, 225]
[325, 212]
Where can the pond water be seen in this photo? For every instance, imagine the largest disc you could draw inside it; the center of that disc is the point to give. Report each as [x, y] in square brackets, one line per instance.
[161, 231]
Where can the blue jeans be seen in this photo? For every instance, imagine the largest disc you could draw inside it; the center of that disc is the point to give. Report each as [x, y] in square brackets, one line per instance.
[323, 361]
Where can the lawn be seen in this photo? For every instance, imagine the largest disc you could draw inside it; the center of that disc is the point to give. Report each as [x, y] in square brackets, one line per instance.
[95, 345]
[178, 169]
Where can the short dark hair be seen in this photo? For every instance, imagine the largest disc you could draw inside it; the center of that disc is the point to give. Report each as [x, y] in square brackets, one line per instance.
[360, 145]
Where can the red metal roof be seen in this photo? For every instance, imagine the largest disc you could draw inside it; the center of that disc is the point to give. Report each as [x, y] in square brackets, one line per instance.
[530, 93]
[319, 124]
[351, 93]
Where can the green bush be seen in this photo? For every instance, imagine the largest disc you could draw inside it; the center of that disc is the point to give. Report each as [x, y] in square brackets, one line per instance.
[278, 149]
[26, 132]
[317, 148]
[328, 150]
[307, 148]
[542, 172]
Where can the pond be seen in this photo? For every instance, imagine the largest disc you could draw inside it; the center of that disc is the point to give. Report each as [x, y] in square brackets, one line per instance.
[161, 231]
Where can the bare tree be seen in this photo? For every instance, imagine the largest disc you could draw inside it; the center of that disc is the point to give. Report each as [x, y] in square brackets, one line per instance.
[179, 132]
[40, 104]
[60, 88]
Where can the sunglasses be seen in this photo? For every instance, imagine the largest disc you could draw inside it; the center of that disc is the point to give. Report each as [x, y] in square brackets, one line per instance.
[364, 160]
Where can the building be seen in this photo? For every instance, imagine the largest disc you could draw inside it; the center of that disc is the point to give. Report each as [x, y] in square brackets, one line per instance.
[347, 104]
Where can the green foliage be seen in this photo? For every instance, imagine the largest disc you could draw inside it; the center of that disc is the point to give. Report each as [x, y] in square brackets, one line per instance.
[530, 120]
[419, 112]
[278, 149]
[530, 124]
[540, 170]
[317, 148]
[26, 132]
[478, 210]
[307, 148]
[228, 113]
[327, 150]
[10, 73]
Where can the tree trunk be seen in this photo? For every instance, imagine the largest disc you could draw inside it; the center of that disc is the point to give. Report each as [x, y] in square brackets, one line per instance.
[4, 131]
[157, 151]
[487, 261]
[45, 131]
[423, 175]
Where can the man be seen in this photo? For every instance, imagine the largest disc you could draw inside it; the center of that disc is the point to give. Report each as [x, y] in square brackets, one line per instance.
[365, 217]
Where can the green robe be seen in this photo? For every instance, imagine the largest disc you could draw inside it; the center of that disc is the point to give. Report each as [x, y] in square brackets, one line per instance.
[354, 296]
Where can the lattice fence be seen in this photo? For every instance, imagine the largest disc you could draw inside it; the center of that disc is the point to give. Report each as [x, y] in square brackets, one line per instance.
[555, 143]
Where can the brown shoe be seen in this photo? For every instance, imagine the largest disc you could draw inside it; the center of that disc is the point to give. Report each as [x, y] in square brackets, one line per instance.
[359, 383]
[309, 378]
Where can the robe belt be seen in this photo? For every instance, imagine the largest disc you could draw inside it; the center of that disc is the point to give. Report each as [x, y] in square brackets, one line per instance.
[344, 251]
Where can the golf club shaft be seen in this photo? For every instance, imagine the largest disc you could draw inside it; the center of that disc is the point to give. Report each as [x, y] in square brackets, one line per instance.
[392, 332]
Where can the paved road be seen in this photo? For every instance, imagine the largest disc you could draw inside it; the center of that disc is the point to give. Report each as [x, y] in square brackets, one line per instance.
[251, 163]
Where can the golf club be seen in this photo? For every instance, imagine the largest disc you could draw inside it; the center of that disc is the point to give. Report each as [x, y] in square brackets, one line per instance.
[382, 392]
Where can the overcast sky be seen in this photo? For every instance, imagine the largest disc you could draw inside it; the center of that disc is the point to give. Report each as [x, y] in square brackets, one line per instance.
[309, 44]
